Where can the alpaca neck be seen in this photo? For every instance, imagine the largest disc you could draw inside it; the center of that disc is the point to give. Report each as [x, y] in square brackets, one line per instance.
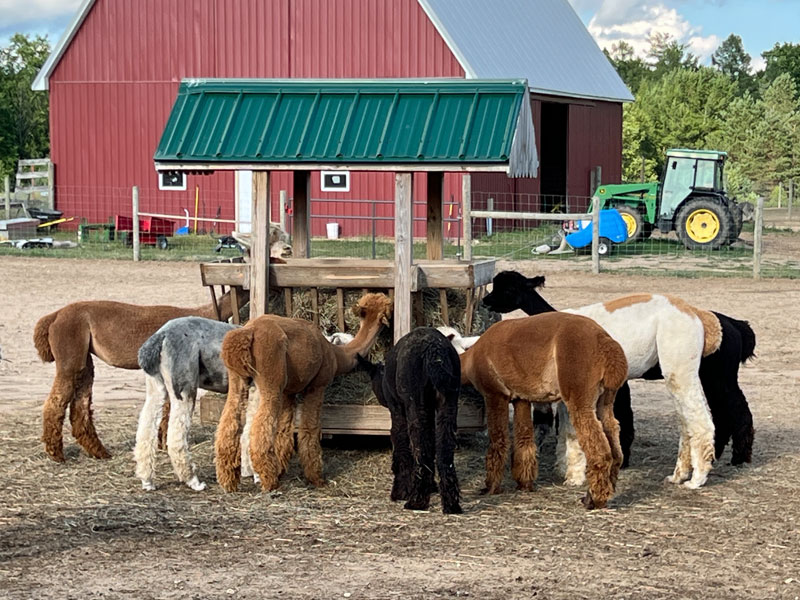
[346, 359]
[225, 309]
[532, 307]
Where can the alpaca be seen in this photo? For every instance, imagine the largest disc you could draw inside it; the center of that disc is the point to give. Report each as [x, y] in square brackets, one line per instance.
[113, 332]
[458, 341]
[180, 358]
[339, 339]
[544, 359]
[285, 357]
[669, 333]
[419, 384]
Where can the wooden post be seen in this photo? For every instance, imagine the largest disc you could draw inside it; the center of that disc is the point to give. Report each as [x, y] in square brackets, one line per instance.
[283, 196]
[790, 198]
[51, 192]
[7, 194]
[235, 289]
[340, 308]
[287, 302]
[758, 231]
[435, 229]
[259, 251]
[402, 254]
[301, 238]
[780, 193]
[595, 235]
[136, 247]
[466, 204]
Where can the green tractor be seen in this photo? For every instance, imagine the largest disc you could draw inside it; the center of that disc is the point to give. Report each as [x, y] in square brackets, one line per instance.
[690, 199]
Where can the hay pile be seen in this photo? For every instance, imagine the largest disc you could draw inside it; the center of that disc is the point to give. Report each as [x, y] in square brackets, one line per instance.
[354, 388]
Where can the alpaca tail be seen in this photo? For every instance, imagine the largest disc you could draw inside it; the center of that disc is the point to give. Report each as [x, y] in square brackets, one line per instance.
[150, 354]
[616, 371]
[41, 337]
[747, 334]
[443, 370]
[237, 351]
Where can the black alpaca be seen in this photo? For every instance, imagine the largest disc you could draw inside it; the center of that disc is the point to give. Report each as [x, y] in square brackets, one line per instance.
[419, 384]
[719, 372]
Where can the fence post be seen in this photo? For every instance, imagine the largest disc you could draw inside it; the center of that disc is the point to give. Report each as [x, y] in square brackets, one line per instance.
[7, 195]
[489, 206]
[595, 235]
[780, 193]
[282, 208]
[51, 184]
[374, 217]
[136, 252]
[791, 197]
[466, 202]
[758, 231]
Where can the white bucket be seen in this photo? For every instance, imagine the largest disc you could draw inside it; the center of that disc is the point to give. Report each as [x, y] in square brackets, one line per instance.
[333, 231]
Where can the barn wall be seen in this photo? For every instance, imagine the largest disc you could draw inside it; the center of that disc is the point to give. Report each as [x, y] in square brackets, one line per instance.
[113, 89]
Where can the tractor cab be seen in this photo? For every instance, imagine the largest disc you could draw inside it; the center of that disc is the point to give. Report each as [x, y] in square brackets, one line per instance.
[689, 173]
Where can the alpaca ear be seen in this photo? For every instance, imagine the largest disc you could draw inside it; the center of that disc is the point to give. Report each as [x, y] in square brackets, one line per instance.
[451, 336]
[536, 282]
[385, 320]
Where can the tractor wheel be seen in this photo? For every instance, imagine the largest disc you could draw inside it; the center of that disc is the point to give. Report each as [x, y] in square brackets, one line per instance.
[705, 223]
[634, 223]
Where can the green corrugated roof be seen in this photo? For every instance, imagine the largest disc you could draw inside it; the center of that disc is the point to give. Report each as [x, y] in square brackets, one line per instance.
[349, 122]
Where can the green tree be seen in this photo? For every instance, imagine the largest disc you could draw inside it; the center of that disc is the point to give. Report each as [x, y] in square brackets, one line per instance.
[630, 68]
[24, 114]
[732, 60]
[667, 54]
[783, 58]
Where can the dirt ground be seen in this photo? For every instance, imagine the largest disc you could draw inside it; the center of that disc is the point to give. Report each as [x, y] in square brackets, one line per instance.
[85, 529]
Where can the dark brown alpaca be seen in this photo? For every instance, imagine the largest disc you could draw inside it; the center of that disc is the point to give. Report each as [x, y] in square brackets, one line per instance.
[113, 332]
[285, 357]
[546, 358]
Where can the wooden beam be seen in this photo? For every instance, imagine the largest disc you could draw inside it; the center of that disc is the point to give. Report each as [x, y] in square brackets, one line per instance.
[466, 212]
[435, 229]
[259, 250]
[402, 254]
[301, 234]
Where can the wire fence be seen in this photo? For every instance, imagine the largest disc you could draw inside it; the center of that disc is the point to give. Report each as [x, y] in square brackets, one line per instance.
[97, 223]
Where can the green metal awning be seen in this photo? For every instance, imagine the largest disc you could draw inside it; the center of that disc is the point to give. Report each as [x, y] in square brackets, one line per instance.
[383, 124]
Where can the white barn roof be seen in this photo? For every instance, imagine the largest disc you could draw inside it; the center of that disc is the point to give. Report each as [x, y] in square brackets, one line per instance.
[542, 41]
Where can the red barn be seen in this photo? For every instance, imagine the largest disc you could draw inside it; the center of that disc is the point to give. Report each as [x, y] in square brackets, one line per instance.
[114, 75]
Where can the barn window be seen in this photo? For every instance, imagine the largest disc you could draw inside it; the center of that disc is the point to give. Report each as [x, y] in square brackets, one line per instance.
[335, 181]
[172, 180]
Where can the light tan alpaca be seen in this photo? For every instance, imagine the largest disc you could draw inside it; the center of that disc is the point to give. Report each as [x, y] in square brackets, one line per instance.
[113, 332]
[285, 357]
[546, 358]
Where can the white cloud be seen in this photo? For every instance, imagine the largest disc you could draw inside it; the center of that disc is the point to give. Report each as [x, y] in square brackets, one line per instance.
[634, 21]
[19, 13]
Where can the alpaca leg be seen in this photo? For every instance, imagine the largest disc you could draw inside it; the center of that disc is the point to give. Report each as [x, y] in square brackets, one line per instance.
[570, 459]
[699, 427]
[180, 422]
[611, 428]
[624, 415]
[80, 414]
[595, 446]
[144, 453]
[247, 464]
[446, 429]
[402, 458]
[683, 467]
[284, 438]
[421, 431]
[262, 437]
[524, 466]
[162, 428]
[55, 409]
[743, 431]
[227, 454]
[309, 434]
[497, 419]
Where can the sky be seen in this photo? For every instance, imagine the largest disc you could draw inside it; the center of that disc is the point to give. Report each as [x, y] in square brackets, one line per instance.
[700, 24]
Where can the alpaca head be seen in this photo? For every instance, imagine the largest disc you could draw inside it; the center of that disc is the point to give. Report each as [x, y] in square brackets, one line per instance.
[512, 290]
[375, 373]
[374, 308]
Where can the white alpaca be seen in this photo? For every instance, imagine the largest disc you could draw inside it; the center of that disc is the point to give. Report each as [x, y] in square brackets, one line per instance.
[460, 343]
[652, 329]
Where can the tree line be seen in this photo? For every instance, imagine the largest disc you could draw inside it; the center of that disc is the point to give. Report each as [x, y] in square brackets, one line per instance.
[754, 117]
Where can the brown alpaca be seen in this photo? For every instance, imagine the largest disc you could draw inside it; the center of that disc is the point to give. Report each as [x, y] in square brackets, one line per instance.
[113, 332]
[285, 357]
[546, 358]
